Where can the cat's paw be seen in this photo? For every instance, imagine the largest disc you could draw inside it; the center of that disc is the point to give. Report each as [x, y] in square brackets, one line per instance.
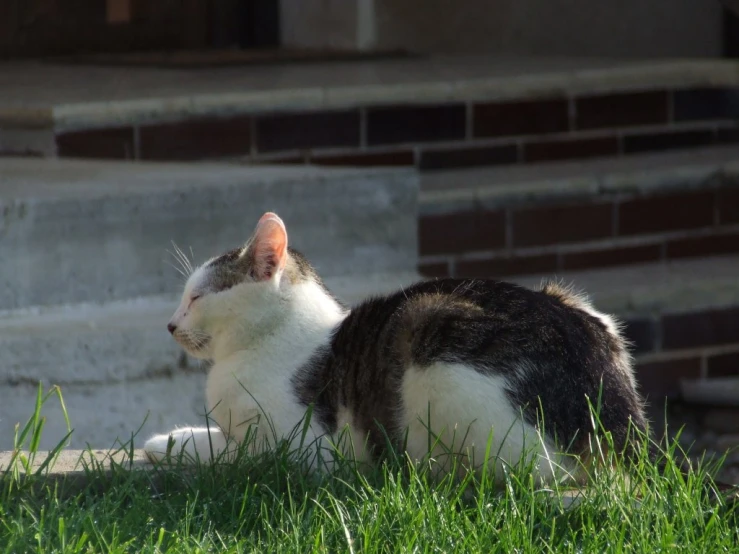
[187, 445]
[159, 447]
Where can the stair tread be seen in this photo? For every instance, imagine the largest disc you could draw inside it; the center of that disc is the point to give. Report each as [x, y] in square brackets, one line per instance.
[106, 227]
[52, 178]
[661, 287]
[667, 169]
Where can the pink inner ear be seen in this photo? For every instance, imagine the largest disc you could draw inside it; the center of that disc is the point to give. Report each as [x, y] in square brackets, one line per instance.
[269, 246]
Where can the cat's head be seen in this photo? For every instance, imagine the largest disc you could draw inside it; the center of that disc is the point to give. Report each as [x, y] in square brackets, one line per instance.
[243, 292]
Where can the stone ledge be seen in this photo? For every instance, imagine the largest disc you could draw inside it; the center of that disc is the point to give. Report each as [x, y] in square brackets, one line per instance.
[69, 472]
[655, 288]
[75, 461]
[450, 191]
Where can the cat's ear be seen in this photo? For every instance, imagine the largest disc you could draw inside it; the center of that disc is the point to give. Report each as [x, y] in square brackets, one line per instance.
[268, 248]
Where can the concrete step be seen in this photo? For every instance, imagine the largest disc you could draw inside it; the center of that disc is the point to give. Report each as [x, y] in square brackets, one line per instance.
[88, 231]
[555, 182]
[652, 289]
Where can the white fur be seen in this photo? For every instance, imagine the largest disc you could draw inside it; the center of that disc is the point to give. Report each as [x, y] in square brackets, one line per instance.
[248, 386]
[454, 408]
[193, 444]
[350, 440]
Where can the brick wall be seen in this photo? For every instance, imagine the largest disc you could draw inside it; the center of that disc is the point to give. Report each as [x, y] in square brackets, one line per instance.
[605, 230]
[432, 137]
[693, 345]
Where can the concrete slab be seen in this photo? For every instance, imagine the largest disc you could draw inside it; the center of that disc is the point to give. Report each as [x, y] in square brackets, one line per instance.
[449, 191]
[655, 288]
[87, 231]
[69, 460]
[68, 472]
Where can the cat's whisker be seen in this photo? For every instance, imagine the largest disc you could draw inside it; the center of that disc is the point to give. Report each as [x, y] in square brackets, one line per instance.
[403, 291]
[182, 268]
[187, 260]
[176, 268]
[183, 259]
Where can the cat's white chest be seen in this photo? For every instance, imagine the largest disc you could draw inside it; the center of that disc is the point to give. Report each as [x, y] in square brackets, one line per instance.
[244, 392]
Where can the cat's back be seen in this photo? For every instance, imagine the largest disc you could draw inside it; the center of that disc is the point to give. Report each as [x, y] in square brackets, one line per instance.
[460, 312]
[527, 349]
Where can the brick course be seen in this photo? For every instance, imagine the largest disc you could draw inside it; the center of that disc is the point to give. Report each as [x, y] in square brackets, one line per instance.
[557, 128]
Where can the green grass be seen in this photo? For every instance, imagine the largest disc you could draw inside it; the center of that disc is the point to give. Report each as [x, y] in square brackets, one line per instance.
[270, 504]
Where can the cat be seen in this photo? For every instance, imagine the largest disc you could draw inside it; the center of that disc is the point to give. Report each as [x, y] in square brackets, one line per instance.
[469, 368]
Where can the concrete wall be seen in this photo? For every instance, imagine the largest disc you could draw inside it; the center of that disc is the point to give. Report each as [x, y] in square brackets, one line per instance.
[319, 23]
[619, 28]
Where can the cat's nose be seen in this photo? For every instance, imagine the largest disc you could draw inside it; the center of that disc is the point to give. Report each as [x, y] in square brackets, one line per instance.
[171, 327]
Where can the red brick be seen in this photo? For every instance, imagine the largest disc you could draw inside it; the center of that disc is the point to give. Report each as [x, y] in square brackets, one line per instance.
[567, 149]
[612, 257]
[621, 110]
[501, 119]
[667, 140]
[727, 135]
[724, 365]
[398, 124]
[196, 139]
[479, 156]
[661, 379]
[703, 246]
[461, 232]
[561, 224]
[500, 267]
[642, 334]
[307, 130]
[728, 205]
[112, 143]
[689, 210]
[366, 159]
[705, 104]
[697, 329]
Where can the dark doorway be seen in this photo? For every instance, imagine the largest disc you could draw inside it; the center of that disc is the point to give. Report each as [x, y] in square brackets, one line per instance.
[245, 23]
[44, 28]
[731, 34]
